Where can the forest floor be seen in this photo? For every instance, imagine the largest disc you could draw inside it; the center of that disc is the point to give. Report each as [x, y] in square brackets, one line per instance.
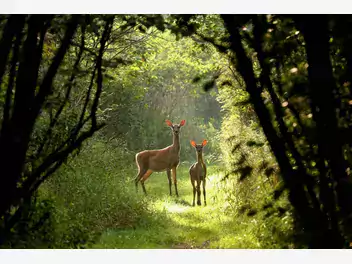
[175, 223]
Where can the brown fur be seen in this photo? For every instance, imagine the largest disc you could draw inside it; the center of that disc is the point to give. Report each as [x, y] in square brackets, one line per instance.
[198, 173]
[166, 159]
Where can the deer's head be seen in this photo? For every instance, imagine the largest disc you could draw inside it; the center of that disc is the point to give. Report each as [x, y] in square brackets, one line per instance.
[176, 128]
[199, 147]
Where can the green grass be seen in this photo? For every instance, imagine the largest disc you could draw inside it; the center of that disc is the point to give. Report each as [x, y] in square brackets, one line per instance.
[95, 205]
[174, 223]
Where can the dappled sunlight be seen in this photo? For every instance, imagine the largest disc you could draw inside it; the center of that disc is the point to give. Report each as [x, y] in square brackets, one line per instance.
[176, 208]
[170, 206]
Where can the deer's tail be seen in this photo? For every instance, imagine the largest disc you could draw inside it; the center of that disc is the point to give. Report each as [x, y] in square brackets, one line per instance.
[137, 159]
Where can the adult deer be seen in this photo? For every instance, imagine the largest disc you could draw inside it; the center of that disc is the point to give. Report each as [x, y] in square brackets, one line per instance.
[166, 159]
[198, 172]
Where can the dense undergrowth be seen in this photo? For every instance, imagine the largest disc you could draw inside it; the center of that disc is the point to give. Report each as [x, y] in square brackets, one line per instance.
[91, 203]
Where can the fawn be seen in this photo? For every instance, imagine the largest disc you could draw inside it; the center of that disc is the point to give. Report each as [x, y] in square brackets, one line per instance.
[198, 172]
[166, 159]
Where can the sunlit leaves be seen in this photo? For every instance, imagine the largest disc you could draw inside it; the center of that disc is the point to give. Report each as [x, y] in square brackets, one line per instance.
[293, 70]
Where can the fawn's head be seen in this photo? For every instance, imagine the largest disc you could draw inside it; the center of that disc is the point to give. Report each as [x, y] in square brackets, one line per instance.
[199, 147]
[176, 128]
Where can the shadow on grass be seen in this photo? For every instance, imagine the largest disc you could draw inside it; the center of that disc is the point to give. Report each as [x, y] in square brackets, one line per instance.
[181, 201]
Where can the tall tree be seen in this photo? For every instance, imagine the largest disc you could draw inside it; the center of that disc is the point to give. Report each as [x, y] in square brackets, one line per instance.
[34, 50]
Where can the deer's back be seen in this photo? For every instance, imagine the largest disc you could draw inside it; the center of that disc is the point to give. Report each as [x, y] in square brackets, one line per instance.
[158, 160]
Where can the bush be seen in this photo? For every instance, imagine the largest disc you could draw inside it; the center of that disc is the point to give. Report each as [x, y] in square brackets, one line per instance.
[36, 227]
[252, 174]
[91, 193]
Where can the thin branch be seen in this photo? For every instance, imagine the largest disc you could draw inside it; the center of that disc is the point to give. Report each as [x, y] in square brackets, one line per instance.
[221, 48]
[80, 122]
[235, 75]
[10, 87]
[33, 182]
[14, 25]
[42, 35]
[59, 157]
[74, 44]
[104, 39]
[200, 41]
[68, 92]
[46, 85]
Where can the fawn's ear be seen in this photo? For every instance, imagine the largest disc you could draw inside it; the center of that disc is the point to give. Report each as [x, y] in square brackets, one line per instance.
[183, 122]
[193, 143]
[204, 142]
[168, 122]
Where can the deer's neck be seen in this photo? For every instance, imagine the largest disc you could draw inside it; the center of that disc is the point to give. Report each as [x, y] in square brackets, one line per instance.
[200, 158]
[176, 142]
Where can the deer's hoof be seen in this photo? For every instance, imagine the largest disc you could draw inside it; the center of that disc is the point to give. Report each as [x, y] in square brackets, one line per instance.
[199, 203]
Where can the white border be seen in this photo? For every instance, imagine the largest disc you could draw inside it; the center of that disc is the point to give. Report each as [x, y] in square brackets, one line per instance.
[176, 6]
[175, 256]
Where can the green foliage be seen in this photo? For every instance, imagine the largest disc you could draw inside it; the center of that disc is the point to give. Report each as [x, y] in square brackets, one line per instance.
[36, 228]
[158, 86]
[150, 76]
[251, 168]
[93, 193]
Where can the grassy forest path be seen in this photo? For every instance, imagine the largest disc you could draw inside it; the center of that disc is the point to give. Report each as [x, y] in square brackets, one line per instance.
[175, 223]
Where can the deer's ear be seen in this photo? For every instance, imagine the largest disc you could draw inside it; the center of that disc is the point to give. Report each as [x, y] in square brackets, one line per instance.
[168, 122]
[204, 142]
[183, 122]
[193, 143]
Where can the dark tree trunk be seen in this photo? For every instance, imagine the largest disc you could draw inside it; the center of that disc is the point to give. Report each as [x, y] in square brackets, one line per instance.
[315, 224]
[323, 91]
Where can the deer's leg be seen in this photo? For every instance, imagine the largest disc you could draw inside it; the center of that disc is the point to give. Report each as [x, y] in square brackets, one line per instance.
[169, 178]
[198, 193]
[174, 179]
[205, 200]
[194, 192]
[144, 178]
[139, 176]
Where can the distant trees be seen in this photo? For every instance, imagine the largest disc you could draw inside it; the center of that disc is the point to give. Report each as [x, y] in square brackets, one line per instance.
[160, 85]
